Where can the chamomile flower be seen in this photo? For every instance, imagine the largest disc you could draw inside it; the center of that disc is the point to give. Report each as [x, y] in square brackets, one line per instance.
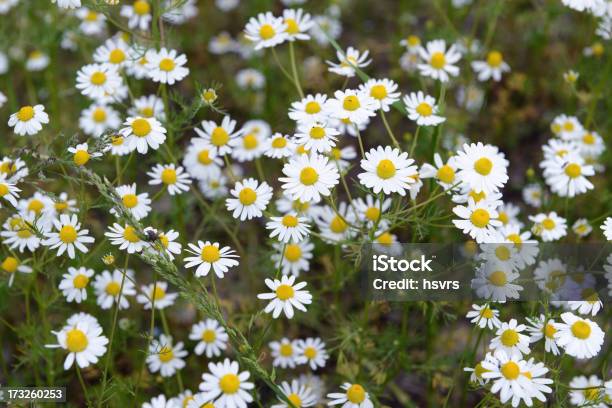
[92, 23]
[586, 391]
[19, 232]
[478, 220]
[250, 79]
[294, 257]
[422, 109]
[300, 395]
[142, 133]
[167, 242]
[308, 177]
[383, 91]
[582, 228]
[28, 120]
[335, 224]
[549, 227]
[8, 192]
[166, 66]
[284, 353]
[349, 61]
[444, 173]
[253, 142]
[114, 51]
[83, 341]
[201, 162]
[68, 236]
[226, 385]
[97, 119]
[159, 402]
[10, 265]
[180, 12]
[591, 143]
[13, 170]
[211, 337]
[533, 194]
[126, 237]
[567, 127]
[280, 146]
[98, 81]
[354, 396]
[174, 178]
[438, 62]
[371, 209]
[156, 295]
[484, 316]
[108, 288]
[493, 67]
[312, 352]
[164, 357]
[353, 106]
[119, 146]
[509, 338]
[316, 137]
[285, 296]
[388, 170]
[542, 328]
[150, 106]
[218, 136]
[74, 284]
[495, 282]
[249, 199]
[567, 176]
[138, 14]
[37, 61]
[81, 154]
[606, 227]
[214, 188]
[478, 370]
[289, 228]
[210, 255]
[266, 31]
[312, 108]
[580, 338]
[298, 24]
[482, 167]
[136, 204]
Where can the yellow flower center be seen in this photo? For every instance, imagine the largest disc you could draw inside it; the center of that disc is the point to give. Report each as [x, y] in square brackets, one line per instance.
[80, 281]
[210, 254]
[588, 138]
[509, 338]
[385, 169]
[337, 225]
[141, 7]
[446, 174]
[292, 26]
[81, 157]
[438, 60]
[568, 126]
[116, 56]
[286, 350]
[293, 252]
[591, 394]
[480, 218]
[495, 59]
[209, 336]
[91, 16]
[76, 341]
[511, 370]
[168, 176]
[7, 167]
[68, 234]
[3, 190]
[317, 132]
[309, 176]
[209, 95]
[219, 136]
[295, 400]
[516, 239]
[581, 329]
[310, 352]
[98, 78]
[250, 141]
[204, 157]
[548, 224]
[502, 253]
[413, 40]
[247, 196]
[549, 331]
[573, 170]
[289, 221]
[147, 112]
[385, 238]
[313, 107]
[486, 313]
[498, 278]
[99, 115]
[351, 103]
[25, 113]
[36, 206]
[479, 370]
[158, 294]
[117, 140]
[372, 214]
[164, 240]
[24, 232]
[284, 292]
[355, 394]
[589, 294]
[229, 383]
[503, 217]
[424, 109]
[129, 233]
[10, 264]
[141, 127]
[483, 166]
[477, 196]
[130, 200]
[378, 92]
[166, 64]
[166, 354]
[266, 32]
[112, 288]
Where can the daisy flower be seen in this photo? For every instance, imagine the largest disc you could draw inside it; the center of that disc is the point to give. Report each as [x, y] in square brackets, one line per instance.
[81, 155]
[13, 170]
[591, 143]
[294, 257]
[179, 13]
[136, 204]
[211, 336]
[422, 109]
[28, 120]
[484, 316]
[354, 396]
[510, 339]
[438, 62]
[19, 232]
[349, 61]
[250, 79]
[83, 340]
[126, 237]
[98, 81]
[114, 51]
[312, 108]
[567, 176]
[606, 227]
[283, 353]
[444, 173]
[166, 66]
[119, 145]
[175, 179]
[140, 133]
[218, 136]
[150, 106]
[567, 127]
[493, 67]
[159, 402]
[289, 227]
[156, 294]
[341, 156]
[214, 188]
[478, 370]
[298, 24]
[582, 228]
[74, 284]
[266, 31]
[167, 241]
[253, 143]
[11, 265]
[138, 14]
[412, 43]
[209, 255]
[580, 338]
[353, 106]
[37, 61]
[482, 167]
[107, 287]
[227, 385]
[280, 146]
[549, 227]
[312, 352]
[92, 23]
[370, 210]
[97, 119]
[8, 191]
[387, 169]
[308, 177]
[542, 328]
[200, 162]
[533, 194]
[335, 223]
[68, 236]
[285, 296]
[495, 282]
[199, 401]
[586, 391]
[300, 395]
[250, 199]
[316, 137]
[165, 357]
[383, 91]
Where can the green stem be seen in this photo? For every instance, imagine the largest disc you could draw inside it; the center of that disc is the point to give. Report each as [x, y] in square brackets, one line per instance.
[296, 79]
[384, 119]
